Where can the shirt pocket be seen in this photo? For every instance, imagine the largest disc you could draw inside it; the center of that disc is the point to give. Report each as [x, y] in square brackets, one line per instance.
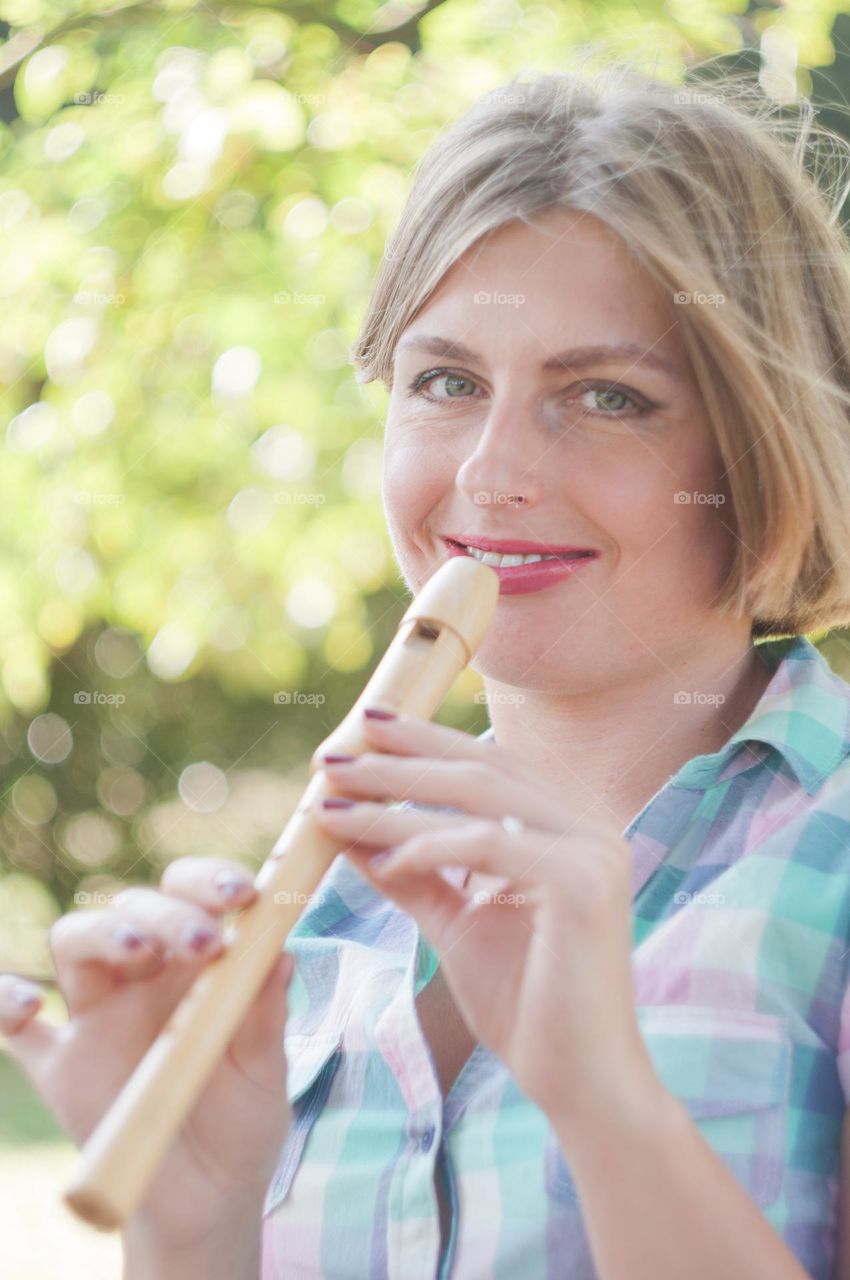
[312, 1061]
[731, 1071]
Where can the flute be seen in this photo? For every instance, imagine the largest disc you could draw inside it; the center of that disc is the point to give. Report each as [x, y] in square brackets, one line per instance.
[436, 639]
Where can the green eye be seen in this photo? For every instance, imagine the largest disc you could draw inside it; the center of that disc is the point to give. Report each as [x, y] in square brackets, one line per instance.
[620, 398]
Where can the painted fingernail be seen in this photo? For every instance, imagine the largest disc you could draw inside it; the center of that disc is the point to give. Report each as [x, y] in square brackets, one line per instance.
[130, 939]
[378, 713]
[231, 886]
[196, 936]
[25, 995]
[338, 802]
[339, 759]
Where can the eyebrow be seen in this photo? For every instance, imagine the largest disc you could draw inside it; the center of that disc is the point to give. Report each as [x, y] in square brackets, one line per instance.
[572, 358]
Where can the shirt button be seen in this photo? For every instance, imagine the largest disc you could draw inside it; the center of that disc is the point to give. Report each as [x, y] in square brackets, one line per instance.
[427, 1138]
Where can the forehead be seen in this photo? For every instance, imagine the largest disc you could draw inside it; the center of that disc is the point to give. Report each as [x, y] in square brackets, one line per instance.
[565, 281]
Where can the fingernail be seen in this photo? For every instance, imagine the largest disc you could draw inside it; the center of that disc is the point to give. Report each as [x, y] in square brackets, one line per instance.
[196, 936]
[25, 995]
[231, 886]
[339, 759]
[338, 802]
[131, 939]
[378, 713]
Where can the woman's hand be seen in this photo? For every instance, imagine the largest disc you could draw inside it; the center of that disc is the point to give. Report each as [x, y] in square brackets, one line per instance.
[540, 963]
[121, 972]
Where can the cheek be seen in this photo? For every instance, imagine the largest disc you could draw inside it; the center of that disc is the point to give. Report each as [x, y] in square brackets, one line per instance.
[414, 481]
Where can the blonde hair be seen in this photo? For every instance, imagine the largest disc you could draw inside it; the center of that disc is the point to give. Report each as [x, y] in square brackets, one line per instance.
[716, 190]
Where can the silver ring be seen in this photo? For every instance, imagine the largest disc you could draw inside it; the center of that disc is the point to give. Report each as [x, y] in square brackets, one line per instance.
[512, 825]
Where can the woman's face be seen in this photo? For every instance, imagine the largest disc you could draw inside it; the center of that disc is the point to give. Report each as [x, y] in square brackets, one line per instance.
[522, 441]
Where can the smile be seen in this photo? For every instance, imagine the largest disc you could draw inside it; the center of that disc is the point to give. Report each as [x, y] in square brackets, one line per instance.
[523, 567]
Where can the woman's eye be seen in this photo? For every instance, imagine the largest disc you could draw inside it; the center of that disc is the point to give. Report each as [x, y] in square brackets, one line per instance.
[453, 388]
[611, 402]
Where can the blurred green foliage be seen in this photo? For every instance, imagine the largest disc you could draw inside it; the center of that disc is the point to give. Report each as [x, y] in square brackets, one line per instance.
[195, 577]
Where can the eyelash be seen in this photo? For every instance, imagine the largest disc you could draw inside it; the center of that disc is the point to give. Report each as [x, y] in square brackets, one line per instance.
[642, 405]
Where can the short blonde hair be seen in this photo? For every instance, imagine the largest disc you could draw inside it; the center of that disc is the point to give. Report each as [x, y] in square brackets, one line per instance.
[716, 190]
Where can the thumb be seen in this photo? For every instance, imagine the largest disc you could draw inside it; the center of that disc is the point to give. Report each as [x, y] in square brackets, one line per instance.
[257, 1047]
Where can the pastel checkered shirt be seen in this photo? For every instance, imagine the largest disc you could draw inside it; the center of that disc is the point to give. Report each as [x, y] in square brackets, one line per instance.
[740, 959]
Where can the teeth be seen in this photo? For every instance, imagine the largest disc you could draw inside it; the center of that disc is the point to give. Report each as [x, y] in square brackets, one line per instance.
[510, 561]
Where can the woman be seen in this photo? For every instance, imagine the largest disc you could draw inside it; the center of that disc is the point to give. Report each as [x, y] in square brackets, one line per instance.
[577, 1007]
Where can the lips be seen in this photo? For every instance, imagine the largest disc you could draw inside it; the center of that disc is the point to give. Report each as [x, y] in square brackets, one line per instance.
[523, 566]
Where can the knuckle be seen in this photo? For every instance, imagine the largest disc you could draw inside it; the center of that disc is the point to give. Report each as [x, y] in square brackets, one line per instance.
[62, 928]
[181, 871]
[134, 896]
[480, 773]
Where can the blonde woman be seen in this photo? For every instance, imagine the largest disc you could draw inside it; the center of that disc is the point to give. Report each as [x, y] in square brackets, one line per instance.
[578, 1006]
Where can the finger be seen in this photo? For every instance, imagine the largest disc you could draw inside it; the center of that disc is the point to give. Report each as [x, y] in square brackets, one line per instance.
[432, 901]
[28, 1039]
[93, 952]
[409, 736]
[185, 929]
[472, 785]
[481, 845]
[367, 823]
[216, 884]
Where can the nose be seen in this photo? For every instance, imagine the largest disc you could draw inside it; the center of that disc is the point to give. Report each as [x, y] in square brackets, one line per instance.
[501, 469]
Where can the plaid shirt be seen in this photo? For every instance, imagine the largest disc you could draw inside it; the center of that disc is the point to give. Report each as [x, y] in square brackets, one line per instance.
[741, 869]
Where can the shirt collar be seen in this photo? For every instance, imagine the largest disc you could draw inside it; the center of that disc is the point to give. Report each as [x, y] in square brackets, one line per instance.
[804, 714]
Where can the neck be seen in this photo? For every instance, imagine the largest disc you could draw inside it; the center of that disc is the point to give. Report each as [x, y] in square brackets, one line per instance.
[609, 750]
